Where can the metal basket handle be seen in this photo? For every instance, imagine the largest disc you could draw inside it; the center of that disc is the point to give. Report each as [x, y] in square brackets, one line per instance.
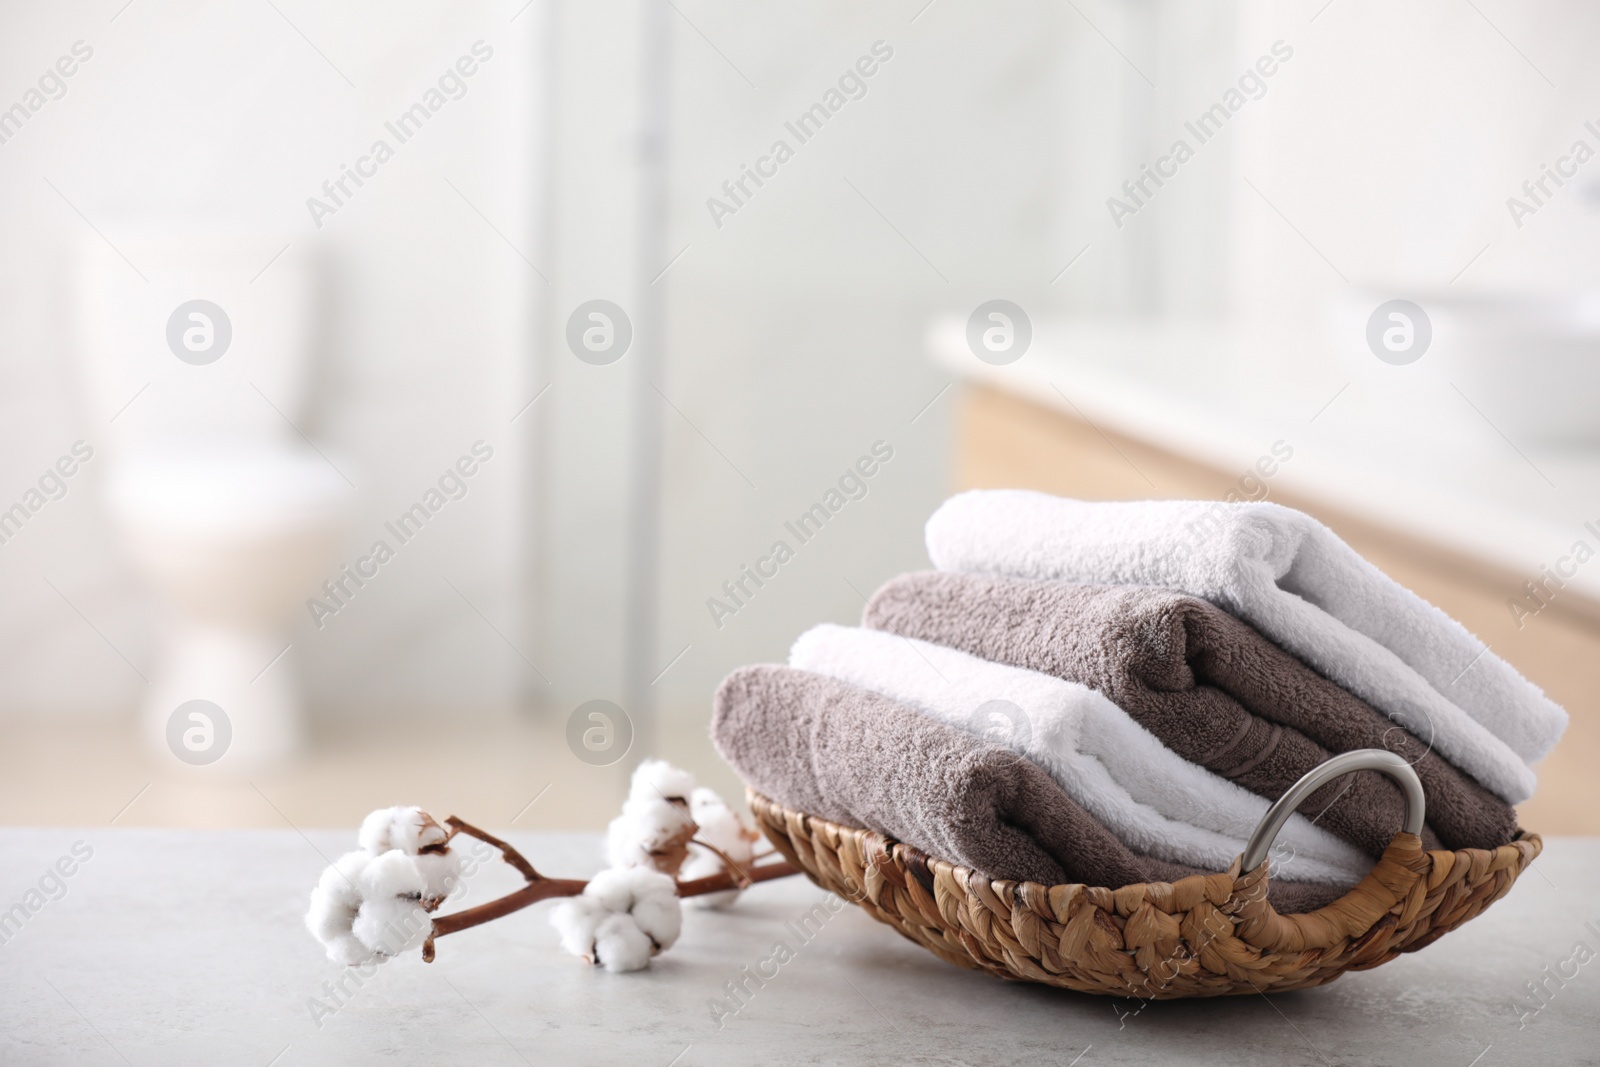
[1364, 759]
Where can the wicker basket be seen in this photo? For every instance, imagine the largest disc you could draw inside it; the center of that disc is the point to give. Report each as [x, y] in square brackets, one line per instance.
[1204, 936]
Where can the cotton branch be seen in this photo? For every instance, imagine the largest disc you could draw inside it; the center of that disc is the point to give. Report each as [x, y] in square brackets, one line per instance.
[540, 887]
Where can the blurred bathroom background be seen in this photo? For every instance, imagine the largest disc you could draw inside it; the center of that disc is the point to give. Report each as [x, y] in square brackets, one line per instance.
[242, 345]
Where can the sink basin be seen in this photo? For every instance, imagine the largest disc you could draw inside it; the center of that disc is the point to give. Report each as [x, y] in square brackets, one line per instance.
[1530, 364]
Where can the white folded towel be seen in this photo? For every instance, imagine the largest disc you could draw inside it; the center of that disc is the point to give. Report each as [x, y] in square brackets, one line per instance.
[1155, 801]
[1290, 577]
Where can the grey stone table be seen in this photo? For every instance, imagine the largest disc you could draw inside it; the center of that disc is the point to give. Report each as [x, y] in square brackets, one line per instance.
[178, 947]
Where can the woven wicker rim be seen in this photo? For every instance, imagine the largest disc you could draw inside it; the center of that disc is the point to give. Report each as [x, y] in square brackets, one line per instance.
[1205, 935]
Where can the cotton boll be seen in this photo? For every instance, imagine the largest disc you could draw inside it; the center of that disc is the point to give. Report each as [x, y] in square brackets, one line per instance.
[645, 829]
[377, 831]
[441, 873]
[721, 827]
[623, 841]
[576, 920]
[391, 918]
[407, 829]
[613, 889]
[391, 925]
[654, 826]
[619, 890]
[334, 904]
[660, 916]
[330, 921]
[393, 874]
[619, 945]
[328, 917]
[631, 835]
[704, 864]
[649, 883]
[366, 906]
[649, 896]
[622, 918]
[342, 881]
[719, 824]
[331, 912]
[347, 950]
[656, 779]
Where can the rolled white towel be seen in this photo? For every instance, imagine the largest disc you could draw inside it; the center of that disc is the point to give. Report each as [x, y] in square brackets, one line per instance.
[1294, 580]
[1155, 801]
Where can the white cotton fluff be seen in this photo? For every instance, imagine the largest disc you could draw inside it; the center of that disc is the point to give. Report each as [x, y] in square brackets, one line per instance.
[406, 829]
[656, 779]
[576, 919]
[391, 918]
[622, 918]
[721, 827]
[389, 926]
[649, 896]
[409, 830]
[441, 873]
[334, 904]
[650, 821]
[393, 874]
[644, 827]
[369, 905]
[620, 945]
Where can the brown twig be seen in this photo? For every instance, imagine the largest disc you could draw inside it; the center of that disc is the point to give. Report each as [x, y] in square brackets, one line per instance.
[512, 856]
[546, 888]
[739, 876]
[532, 893]
[670, 854]
[716, 883]
[541, 888]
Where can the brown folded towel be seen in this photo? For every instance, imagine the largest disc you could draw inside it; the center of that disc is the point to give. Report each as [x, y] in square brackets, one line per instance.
[827, 748]
[1211, 688]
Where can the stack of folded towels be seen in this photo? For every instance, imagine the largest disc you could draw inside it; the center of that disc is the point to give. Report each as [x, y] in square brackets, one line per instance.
[1110, 693]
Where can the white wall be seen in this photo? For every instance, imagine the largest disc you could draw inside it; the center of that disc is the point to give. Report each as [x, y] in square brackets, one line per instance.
[1394, 142]
[796, 327]
[977, 165]
[227, 111]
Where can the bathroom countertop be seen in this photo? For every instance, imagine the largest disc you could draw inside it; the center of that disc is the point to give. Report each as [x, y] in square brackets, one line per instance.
[1426, 450]
[185, 947]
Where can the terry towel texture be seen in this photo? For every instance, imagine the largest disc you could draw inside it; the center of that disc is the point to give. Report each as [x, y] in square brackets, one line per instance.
[854, 757]
[1154, 801]
[1297, 583]
[1208, 686]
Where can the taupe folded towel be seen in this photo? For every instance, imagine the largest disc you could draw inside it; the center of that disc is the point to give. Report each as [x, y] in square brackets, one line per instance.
[850, 756]
[1211, 688]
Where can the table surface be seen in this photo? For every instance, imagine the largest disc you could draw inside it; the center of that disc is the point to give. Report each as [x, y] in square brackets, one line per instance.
[179, 947]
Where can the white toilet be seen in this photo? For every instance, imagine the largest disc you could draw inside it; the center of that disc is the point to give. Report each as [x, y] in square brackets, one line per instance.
[228, 512]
